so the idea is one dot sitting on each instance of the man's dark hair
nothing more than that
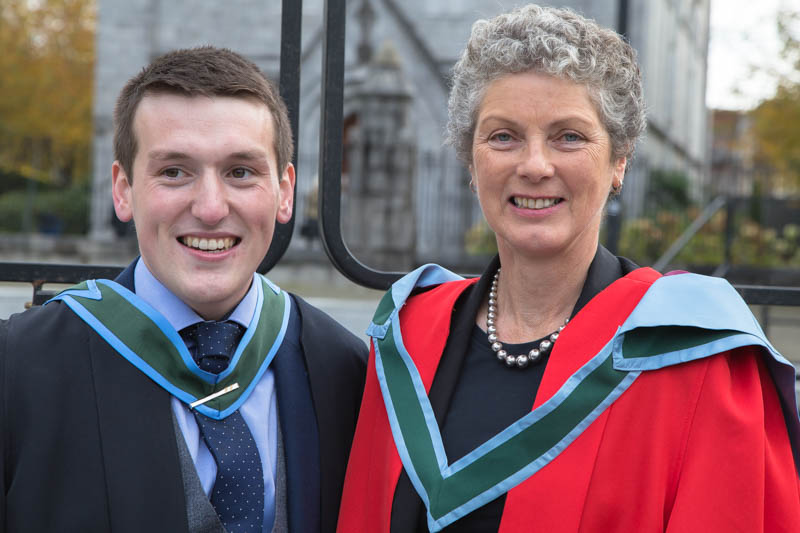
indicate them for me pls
(203, 71)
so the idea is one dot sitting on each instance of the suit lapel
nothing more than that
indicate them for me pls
(299, 430)
(337, 382)
(140, 453)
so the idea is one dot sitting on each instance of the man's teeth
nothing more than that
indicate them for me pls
(208, 244)
(537, 203)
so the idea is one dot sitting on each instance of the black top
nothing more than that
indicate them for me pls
(474, 396)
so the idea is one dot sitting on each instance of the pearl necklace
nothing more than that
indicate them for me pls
(521, 361)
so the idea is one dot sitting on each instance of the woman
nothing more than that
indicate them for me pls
(568, 390)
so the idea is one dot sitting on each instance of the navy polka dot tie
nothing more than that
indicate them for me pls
(238, 494)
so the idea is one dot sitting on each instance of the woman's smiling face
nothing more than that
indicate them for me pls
(541, 162)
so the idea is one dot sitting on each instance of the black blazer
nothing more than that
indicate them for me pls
(87, 442)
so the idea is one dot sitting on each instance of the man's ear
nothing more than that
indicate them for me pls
(121, 192)
(286, 195)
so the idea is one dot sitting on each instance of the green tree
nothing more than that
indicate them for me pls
(776, 121)
(47, 62)
(667, 189)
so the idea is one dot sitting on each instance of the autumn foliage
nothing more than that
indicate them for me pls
(47, 65)
(776, 121)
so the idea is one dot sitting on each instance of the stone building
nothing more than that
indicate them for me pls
(394, 138)
(378, 171)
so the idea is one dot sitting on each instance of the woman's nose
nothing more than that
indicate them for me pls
(535, 161)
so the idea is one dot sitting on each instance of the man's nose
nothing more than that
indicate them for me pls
(210, 202)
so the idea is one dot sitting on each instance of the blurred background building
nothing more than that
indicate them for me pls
(396, 173)
(732, 152)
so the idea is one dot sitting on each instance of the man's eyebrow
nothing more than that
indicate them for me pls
(249, 155)
(171, 155)
(164, 155)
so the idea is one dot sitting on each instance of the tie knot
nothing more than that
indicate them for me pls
(214, 344)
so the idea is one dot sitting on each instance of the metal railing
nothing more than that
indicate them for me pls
(675, 248)
(752, 294)
(330, 150)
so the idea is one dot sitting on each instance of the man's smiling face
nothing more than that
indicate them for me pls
(205, 195)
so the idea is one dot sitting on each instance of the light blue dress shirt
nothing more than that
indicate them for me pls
(259, 411)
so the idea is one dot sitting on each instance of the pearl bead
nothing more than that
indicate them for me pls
(520, 361)
(544, 345)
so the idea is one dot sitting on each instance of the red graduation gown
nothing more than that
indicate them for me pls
(698, 446)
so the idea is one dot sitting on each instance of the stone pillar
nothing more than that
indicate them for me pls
(124, 44)
(380, 163)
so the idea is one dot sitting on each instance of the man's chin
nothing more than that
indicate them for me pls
(213, 299)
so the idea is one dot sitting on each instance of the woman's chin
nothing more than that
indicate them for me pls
(544, 245)
(534, 248)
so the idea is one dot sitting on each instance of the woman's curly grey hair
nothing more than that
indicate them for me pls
(552, 41)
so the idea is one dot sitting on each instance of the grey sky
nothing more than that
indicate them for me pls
(743, 37)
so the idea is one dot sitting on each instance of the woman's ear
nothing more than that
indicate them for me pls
(619, 172)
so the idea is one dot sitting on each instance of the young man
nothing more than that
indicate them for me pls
(190, 394)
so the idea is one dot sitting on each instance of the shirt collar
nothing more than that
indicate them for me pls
(177, 313)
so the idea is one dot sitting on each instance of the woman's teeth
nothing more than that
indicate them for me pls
(208, 244)
(537, 203)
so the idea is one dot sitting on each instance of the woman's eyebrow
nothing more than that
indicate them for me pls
(493, 119)
(572, 120)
